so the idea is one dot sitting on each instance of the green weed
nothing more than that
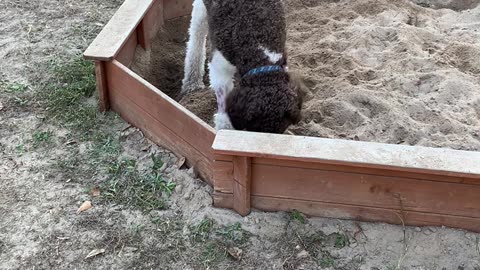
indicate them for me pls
(42, 138)
(296, 215)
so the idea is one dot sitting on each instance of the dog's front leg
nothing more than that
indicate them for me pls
(221, 80)
(196, 49)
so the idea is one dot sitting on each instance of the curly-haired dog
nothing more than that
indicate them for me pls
(248, 40)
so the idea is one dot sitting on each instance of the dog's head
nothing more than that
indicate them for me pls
(268, 104)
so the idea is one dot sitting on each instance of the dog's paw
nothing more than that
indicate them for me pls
(222, 121)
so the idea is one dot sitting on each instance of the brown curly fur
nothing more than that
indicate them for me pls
(267, 102)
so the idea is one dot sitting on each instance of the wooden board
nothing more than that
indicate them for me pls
(355, 212)
(101, 79)
(416, 159)
(242, 173)
(117, 31)
(127, 52)
(352, 180)
(174, 116)
(150, 24)
(160, 118)
(366, 190)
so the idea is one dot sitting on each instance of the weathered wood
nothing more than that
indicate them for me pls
(115, 34)
(355, 212)
(223, 200)
(171, 114)
(176, 8)
(102, 87)
(150, 24)
(127, 52)
(223, 176)
(241, 185)
(367, 190)
(365, 170)
(415, 159)
(151, 118)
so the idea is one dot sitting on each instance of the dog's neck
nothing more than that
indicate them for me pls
(265, 69)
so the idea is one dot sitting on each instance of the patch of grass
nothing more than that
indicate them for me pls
(126, 185)
(216, 240)
(326, 260)
(13, 88)
(213, 254)
(42, 138)
(20, 148)
(296, 215)
(65, 95)
(341, 240)
(201, 231)
(233, 234)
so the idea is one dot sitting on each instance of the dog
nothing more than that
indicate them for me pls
(247, 39)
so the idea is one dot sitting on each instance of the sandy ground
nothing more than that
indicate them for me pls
(44, 179)
(388, 71)
(381, 71)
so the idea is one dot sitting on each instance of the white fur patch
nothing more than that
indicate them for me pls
(221, 73)
(273, 57)
(196, 49)
(222, 121)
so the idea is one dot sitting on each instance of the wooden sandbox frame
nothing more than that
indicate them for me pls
(319, 177)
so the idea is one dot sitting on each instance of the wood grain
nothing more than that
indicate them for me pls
(366, 190)
(150, 24)
(115, 34)
(102, 87)
(150, 118)
(223, 176)
(342, 152)
(241, 185)
(127, 52)
(171, 114)
(355, 212)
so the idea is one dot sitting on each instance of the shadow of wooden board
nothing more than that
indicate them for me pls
(319, 177)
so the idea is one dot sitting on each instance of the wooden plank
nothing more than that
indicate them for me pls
(158, 132)
(241, 185)
(223, 176)
(223, 200)
(117, 31)
(343, 152)
(150, 24)
(366, 171)
(127, 52)
(176, 8)
(102, 87)
(355, 212)
(366, 190)
(164, 109)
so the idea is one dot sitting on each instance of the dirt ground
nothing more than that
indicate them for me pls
(57, 152)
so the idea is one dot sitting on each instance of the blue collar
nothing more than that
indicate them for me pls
(263, 69)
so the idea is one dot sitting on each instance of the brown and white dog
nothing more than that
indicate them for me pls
(248, 40)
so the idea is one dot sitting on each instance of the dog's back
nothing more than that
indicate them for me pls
(245, 30)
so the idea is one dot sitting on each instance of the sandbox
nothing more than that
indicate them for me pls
(336, 178)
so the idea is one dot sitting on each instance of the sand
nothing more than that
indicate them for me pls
(384, 71)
